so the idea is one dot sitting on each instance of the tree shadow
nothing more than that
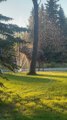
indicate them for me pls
(30, 79)
(10, 111)
(53, 76)
(47, 113)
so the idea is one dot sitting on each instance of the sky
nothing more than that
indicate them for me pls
(20, 10)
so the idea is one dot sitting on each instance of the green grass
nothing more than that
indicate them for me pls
(40, 97)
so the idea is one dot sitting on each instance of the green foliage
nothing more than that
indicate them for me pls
(62, 18)
(4, 18)
(52, 9)
(39, 97)
(52, 32)
(16, 28)
(8, 41)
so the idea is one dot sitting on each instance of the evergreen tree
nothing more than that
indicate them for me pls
(63, 27)
(42, 25)
(52, 9)
(7, 52)
(8, 41)
(31, 26)
(62, 18)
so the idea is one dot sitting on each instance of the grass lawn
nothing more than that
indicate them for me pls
(41, 97)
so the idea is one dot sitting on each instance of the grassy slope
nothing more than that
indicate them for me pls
(42, 97)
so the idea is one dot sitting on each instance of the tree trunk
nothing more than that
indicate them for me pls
(35, 43)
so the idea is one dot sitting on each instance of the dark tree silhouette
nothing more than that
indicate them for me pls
(52, 9)
(35, 42)
(2, 0)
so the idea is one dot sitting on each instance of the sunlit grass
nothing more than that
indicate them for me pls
(40, 97)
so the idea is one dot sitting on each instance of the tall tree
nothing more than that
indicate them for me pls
(42, 26)
(62, 18)
(63, 27)
(31, 26)
(52, 9)
(35, 42)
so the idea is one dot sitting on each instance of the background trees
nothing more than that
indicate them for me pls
(52, 32)
(52, 9)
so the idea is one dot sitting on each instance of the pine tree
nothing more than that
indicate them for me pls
(62, 19)
(42, 26)
(7, 55)
(52, 9)
(63, 27)
(31, 26)
(8, 41)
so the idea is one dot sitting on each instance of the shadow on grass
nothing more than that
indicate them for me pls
(48, 113)
(11, 112)
(29, 79)
(55, 76)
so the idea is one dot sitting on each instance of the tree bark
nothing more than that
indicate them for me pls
(35, 42)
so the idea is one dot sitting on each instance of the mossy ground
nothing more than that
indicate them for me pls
(40, 97)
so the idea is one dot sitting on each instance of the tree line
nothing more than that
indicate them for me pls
(52, 32)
